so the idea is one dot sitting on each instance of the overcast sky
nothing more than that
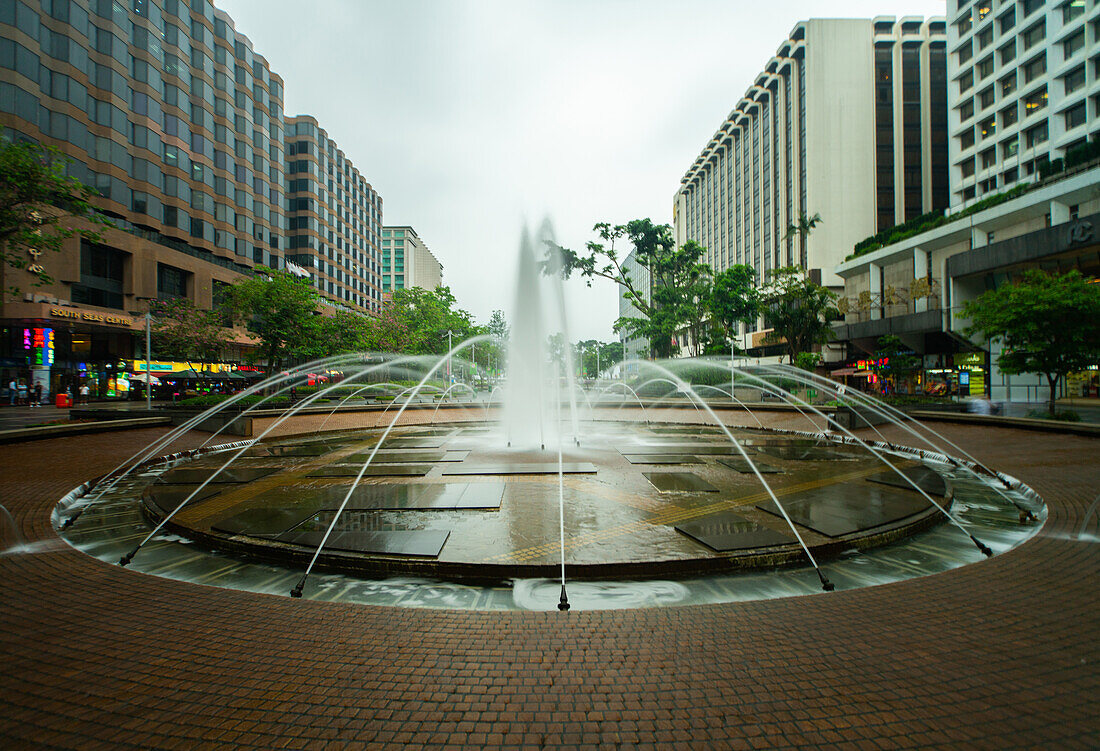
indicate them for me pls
(471, 117)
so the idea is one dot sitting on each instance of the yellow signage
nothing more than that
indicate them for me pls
(91, 316)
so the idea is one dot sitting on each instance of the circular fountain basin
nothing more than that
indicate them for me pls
(651, 512)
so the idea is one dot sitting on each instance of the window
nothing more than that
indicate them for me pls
(1007, 20)
(988, 127)
(985, 38)
(1010, 147)
(1035, 68)
(966, 139)
(1074, 80)
(967, 168)
(1072, 10)
(966, 111)
(1036, 101)
(1075, 116)
(983, 10)
(963, 24)
(1008, 84)
(102, 271)
(966, 81)
(966, 52)
(1037, 135)
(1035, 34)
(985, 98)
(1010, 176)
(989, 158)
(1030, 6)
(985, 67)
(1010, 115)
(171, 282)
(1008, 52)
(1073, 45)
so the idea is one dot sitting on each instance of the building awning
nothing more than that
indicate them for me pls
(851, 372)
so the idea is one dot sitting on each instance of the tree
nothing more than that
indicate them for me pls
(677, 277)
(1046, 323)
(427, 317)
(734, 299)
(893, 360)
(185, 332)
(38, 206)
(803, 226)
(278, 309)
(798, 310)
(591, 364)
(498, 326)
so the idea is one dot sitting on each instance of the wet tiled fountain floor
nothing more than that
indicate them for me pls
(453, 504)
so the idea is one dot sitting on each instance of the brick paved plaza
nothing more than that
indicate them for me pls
(999, 654)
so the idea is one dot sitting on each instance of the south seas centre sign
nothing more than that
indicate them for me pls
(91, 316)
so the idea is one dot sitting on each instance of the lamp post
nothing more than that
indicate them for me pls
(449, 377)
(148, 360)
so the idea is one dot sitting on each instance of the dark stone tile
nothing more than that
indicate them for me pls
(662, 459)
(199, 475)
(449, 496)
(166, 498)
(413, 443)
(844, 508)
(418, 543)
(397, 456)
(729, 531)
(679, 482)
(522, 468)
(927, 479)
(738, 463)
(263, 522)
(374, 470)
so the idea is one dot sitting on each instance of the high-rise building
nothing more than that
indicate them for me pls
(1023, 78)
(407, 262)
(846, 122)
(167, 111)
(634, 347)
(335, 218)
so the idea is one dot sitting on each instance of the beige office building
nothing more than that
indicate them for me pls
(846, 121)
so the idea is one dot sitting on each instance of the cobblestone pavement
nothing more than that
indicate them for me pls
(999, 654)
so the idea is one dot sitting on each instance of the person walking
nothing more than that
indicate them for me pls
(84, 393)
(22, 391)
(13, 392)
(37, 400)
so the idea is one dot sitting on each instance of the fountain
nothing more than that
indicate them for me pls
(668, 490)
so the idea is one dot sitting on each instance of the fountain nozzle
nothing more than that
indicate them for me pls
(563, 603)
(826, 585)
(297, 591)
(982, 547)
(69, 522)
(125, 560)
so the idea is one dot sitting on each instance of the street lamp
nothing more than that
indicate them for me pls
(148, 352)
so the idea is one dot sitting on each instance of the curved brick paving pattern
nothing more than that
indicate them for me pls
(999, 654)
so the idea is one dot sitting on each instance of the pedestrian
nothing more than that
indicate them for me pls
(37, 395)
(13, 392)
(22, 391)
(84, 393)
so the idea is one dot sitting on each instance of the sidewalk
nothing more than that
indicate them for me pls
(24, 416)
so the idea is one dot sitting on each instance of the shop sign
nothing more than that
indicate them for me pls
(39, 344)
(871, 364)
(970, 361)
(91, 316)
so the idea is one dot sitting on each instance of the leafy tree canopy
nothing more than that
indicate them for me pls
(1046, 323)
(182, 331)
(734, 299)
(38, 203)
(679, 281)
(279, 310)
(427, 316)
(798, 310)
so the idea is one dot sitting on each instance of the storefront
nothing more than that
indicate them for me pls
(63, 348)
